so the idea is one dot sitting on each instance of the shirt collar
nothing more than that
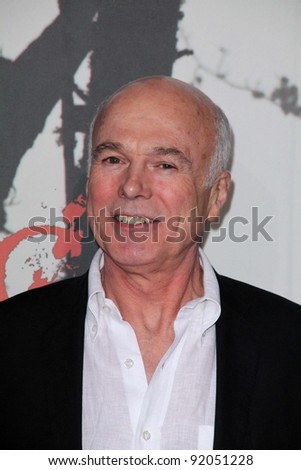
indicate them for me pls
(94, 279)
(211, 287)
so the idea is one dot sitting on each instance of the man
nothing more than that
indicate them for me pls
(153, 349)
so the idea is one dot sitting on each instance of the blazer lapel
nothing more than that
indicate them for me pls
(62, 352)
(237, 364)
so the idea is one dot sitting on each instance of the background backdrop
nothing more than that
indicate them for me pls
(59, 59)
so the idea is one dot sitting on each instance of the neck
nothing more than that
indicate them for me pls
(153, 297)
(150, 300)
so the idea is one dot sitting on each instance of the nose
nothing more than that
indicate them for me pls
(135, 184)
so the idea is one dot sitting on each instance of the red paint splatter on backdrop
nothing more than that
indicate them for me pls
(68, 241)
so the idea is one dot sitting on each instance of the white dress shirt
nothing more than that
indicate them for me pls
(176, 409)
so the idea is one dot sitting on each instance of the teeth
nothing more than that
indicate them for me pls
(132, 220)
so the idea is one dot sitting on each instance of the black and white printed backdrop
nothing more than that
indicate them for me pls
(60, 58)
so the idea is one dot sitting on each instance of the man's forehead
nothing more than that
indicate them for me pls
(162, 103)
(161, 97)
(162, 88)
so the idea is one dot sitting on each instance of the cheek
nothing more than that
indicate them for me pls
(179, 196)
(100, 192)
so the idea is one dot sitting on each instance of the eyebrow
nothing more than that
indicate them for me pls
(181, 156)
(159, 150)
(115, 146)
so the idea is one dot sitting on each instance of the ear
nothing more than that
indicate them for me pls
(87, 187)
(218, 195)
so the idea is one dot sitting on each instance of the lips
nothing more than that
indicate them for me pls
(132, 220)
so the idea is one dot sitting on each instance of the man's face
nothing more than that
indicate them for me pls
(146, 185)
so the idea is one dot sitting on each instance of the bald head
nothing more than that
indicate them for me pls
(173, 95)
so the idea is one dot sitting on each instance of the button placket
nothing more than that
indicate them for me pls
(129, 363)
(146, 435)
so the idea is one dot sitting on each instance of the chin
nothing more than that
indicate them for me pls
(132, 254)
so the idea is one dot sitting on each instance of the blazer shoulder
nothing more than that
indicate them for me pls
(256, 301)
(60, 294)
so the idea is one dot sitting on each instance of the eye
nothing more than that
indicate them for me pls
(112, 160)
(166, 166)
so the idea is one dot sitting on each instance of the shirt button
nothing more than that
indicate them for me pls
(129, 363)
(94, 328)
(106, 309)
(146, 435)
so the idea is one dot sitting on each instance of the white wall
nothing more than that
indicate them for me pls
(261, 42)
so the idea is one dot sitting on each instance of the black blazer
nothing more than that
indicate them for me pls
(258, 396)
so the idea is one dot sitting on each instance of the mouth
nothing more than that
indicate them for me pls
(132, 220)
